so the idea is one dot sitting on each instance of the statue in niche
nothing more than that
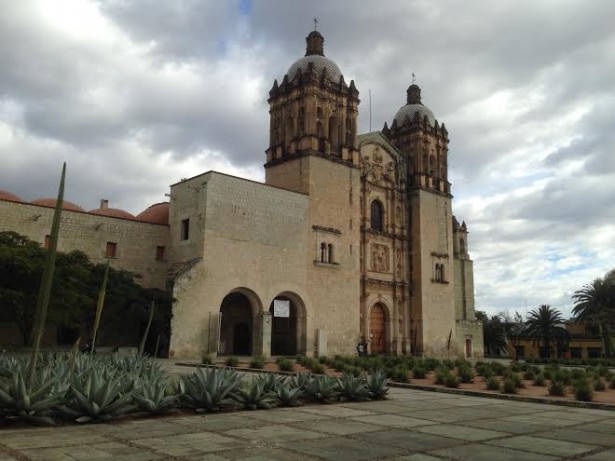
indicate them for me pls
(398, 216)
(380, 258)
(377, 155)
(398, 266)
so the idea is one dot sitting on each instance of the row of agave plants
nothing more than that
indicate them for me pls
(86, 388)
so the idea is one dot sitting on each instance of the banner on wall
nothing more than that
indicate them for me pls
(281, 308)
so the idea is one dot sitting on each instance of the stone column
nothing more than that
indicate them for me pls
(265, 334)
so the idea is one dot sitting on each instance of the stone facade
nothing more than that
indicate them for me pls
(350, 238)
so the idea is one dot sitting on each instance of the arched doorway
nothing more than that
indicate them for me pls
(236, 322)
(377, 329)
(468, 347)
(287, 331)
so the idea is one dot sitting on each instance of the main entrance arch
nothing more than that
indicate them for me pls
(377, 329)
(288, 332)
(237, 324)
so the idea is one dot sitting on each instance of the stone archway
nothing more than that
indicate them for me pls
(288, 334)
(236, 325)
(378, 319)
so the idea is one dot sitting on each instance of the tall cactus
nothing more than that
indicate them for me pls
(99, 306)
(44, 293)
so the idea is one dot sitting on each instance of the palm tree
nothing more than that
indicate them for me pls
(595, 303)
(494, 334)
(544, 326)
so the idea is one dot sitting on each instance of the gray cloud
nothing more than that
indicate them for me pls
(136, 94)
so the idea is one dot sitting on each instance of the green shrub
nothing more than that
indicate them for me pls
(547, 373)
(493, 384)
(431, 364)
(515, 378)
(582, 390)
(498, 368)
(441, 375)
(318, 368)
(529, 375)
(612, 383)
(539, 380)
(232, 361)
(207, 359)
(446, 363)
(154, 396)
(509, 387)
(324, 360)
(419, 372)
(286, 365)
(557, 388)
(578, 373)
(599, 384)
(465, 375)
(452, 381)
(258, 362)
(562, 376)
(399, 374)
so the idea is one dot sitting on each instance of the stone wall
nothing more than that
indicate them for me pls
(136, 241)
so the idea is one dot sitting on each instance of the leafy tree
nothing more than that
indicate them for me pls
(595, 304)
(494, 334)
(544, 327)
(75, 288)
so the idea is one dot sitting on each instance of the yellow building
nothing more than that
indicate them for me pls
(350, 238)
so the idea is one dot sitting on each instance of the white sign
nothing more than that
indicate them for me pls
(281, 308)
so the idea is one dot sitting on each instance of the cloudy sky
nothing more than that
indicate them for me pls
(137, 94)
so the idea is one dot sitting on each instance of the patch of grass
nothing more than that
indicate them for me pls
(232, 361)
(557, 388)
(286, 365)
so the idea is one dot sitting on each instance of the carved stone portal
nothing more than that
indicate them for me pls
(379, 258)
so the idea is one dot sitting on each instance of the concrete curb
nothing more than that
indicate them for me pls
(517, 398)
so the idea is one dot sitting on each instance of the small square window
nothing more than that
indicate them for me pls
(111, 251)
(159, 253)
(185, 230)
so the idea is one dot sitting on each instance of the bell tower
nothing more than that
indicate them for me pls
(313, 112)
(423, 144)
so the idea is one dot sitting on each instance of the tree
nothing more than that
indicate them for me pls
(544, 326)
(494, 334)
(595, 303)
(75, 288)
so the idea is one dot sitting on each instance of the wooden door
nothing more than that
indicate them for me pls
(377, 330)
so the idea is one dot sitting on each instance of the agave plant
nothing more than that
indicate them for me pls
(254, 396)
(34, 403)
(271, 381)
(300, 380)
(289, 396)
(352, 388)
(322, 388)
(98, 396)
(208, 390)
(377, 385)
(155, 396)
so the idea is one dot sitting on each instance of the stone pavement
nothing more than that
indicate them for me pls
(411, 425)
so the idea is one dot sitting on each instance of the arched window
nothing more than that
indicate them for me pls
(438, 273)
(330, 254)
(377, 216)
(323, 252)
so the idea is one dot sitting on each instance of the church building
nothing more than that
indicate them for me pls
(351, 237)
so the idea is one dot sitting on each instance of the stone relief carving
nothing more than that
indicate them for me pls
(379, 258)
(376, 170)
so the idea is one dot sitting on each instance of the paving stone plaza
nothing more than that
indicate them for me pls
(410, 425)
